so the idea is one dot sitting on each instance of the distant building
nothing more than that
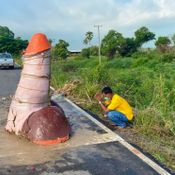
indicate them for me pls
(74, 52)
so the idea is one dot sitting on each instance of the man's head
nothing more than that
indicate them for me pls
(107, 92)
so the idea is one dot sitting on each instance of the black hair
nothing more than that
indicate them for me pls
(107, 90)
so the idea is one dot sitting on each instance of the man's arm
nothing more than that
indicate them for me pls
(103, 107)
(99, 97)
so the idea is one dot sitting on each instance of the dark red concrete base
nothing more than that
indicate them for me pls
(47, 126)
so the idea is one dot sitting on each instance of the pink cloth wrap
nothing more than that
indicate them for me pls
(32, 93)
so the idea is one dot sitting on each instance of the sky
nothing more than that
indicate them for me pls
(71, 19)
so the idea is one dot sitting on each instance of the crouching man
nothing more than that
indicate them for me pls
(115, 107)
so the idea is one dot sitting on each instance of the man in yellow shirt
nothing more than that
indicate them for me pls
(117, 108)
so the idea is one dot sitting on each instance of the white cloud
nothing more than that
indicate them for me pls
(140, 11)
(70, 19)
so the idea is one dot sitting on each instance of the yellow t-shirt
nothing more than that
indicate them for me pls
(120, 104)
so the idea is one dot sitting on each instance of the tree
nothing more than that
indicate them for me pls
(143, 35)
(88, 37)
(6, 33)
(173, 39)
(94, 50)
(86, 52)
(6, 39)
(9, 43)
(18, 45)
(50, 41)
(111, 43)
(163, 43)
(61, 49)
(128, 47)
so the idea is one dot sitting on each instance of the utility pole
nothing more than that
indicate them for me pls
(99, 43)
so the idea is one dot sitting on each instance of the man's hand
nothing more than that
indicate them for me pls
(98, 96)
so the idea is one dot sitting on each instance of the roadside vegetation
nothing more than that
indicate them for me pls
(10, 43)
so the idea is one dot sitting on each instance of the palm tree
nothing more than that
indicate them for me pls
(88, 37)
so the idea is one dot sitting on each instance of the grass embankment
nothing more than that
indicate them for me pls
(146, 80)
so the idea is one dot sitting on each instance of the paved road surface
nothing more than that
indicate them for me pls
(8, 81)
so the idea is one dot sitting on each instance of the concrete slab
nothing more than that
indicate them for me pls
(92, 149)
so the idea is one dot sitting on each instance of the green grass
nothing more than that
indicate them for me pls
(145, 80)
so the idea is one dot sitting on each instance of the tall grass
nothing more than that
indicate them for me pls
(146, 83)
(158, 116)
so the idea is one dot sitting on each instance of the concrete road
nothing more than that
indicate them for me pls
(93, 149)
(8, 81)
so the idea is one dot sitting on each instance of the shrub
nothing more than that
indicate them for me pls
(119, 63)
(168, 57)
(94, 50)
(85, 52)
